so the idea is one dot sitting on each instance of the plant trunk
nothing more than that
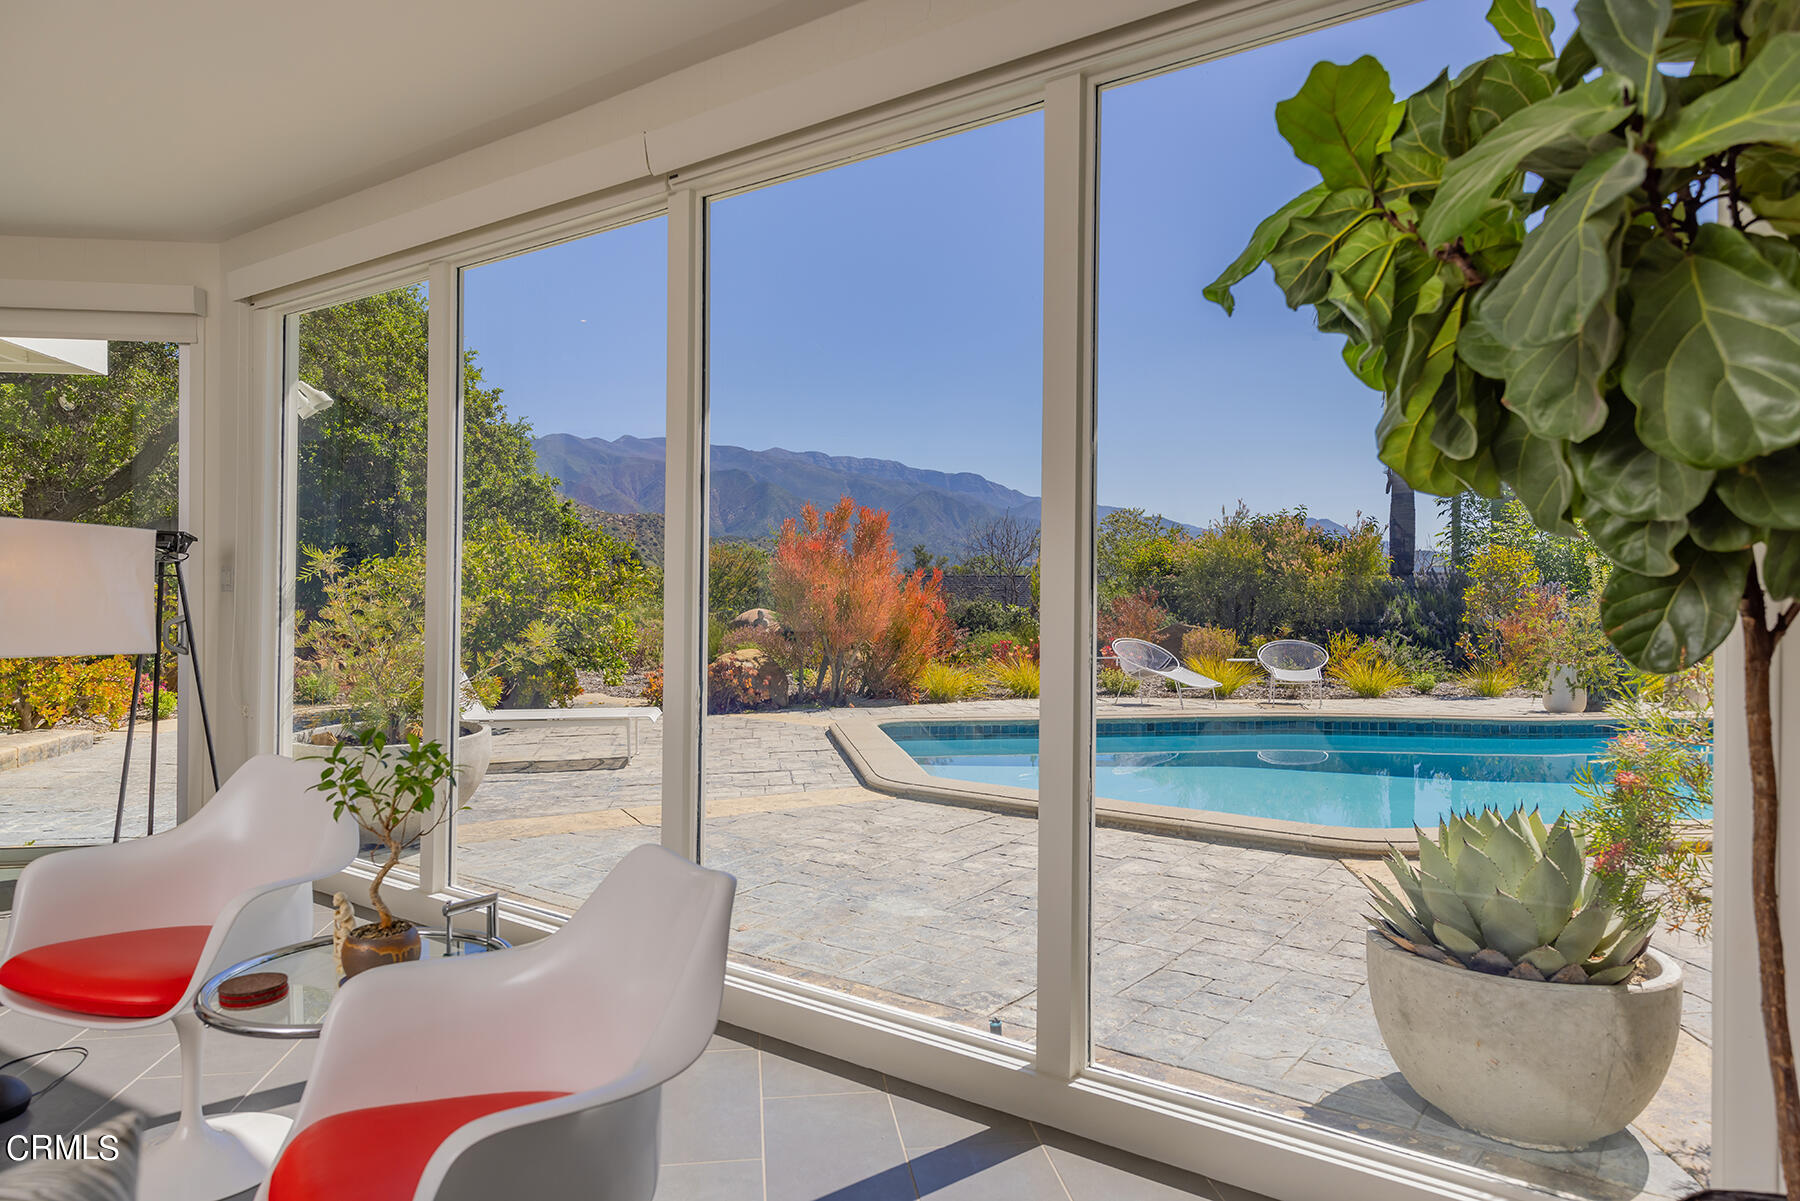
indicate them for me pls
(1765, 891)
(387, 919)
(1403, 525)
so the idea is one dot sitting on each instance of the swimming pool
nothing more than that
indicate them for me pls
(1359, 773)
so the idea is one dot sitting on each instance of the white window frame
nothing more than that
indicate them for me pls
(1054, 1081)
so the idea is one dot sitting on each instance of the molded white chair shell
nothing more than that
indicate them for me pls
(1292, 662)
(619, 1001)
(1141, 659)
(243, 865)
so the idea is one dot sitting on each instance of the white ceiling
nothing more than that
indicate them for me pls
(200, 119)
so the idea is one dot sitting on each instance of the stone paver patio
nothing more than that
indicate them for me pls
(72, 797)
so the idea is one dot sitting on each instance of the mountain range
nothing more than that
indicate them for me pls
(754, 491)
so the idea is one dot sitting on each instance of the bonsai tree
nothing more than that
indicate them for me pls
(388, 795)
(1576, 275)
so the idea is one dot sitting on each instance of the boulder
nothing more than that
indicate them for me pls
(758, 619)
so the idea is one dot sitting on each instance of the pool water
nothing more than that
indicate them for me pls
(1323, 771)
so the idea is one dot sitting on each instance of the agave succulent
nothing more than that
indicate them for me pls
(1508, 895)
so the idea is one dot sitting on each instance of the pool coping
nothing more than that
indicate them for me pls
(882, 766)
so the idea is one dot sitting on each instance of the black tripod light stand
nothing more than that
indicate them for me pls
(171, 552)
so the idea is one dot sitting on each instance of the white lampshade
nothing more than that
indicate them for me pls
(68, 588)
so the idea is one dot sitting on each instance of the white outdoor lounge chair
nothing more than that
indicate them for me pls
(587, 715)
(1139, 658)
(1292, 663)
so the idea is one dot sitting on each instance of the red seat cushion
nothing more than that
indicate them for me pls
(378, 1154)
(133, 974)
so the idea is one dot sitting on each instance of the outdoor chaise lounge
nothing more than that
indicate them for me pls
(1292, 663)
(627, 716)
(1139, 658)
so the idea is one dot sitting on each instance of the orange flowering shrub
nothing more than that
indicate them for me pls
(852, 614)
(36, 694)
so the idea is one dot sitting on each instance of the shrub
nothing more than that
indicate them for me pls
(1117, 682)
(312, 685)
(732, 686)
(653, 688)
(1018, 676)
(1489, 679)
(1422, 681)
(942, 682)
(1268, 570)
(848, 607)
(737, 577)
(1209, 642)
(1231, 676)
(1368, 675)
(1136, 615)
(981, 615)
(36, 694)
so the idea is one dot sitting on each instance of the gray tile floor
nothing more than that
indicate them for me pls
(752, 1120)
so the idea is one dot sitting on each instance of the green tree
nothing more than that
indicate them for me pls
(91, 447)
(737, 577)
(362, 461)
(1577, 275)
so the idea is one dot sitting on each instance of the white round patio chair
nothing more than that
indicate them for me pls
(1293, 663)
(121, 936)
(1148, 661)
(534, 1072)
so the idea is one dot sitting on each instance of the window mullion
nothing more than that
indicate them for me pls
(1066, 714)
(443, 535)
(684, 581)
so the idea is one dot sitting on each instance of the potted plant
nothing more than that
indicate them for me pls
(1558, 267)
(394, 798)
(1501, 933)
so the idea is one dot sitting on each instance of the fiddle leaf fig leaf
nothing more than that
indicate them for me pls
(1339, 120)
(1268, 232)
(1570, 262)
(1624, 35)
(1575, 61)
(1712, 355)
(1628, 478)
(1538, 471)
(1665, 624)
(1525, 27)
(1713, 526)
(1646, 547)
(1363, 276)
(1765, 491)
(1761, 105)
(1781, 564)
(1558, 388)
(1471, 179)
(1301, 259)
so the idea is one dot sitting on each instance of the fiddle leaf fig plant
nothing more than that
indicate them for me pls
(1574, 273)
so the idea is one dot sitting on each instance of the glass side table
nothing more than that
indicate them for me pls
(313, 983)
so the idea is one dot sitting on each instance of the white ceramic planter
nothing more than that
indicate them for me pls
(1563, 693)
(1549, 1066)
(474, 750)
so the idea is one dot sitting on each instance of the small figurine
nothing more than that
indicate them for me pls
(343, 918)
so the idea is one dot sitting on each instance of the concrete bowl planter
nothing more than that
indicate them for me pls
(1548, 1066)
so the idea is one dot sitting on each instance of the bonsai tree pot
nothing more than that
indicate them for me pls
(369, 946)
(1548, 1066)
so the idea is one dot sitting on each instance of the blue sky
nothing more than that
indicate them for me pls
(892, 308)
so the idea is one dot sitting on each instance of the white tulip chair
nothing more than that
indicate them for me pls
(534, 1072)
(121, 936)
